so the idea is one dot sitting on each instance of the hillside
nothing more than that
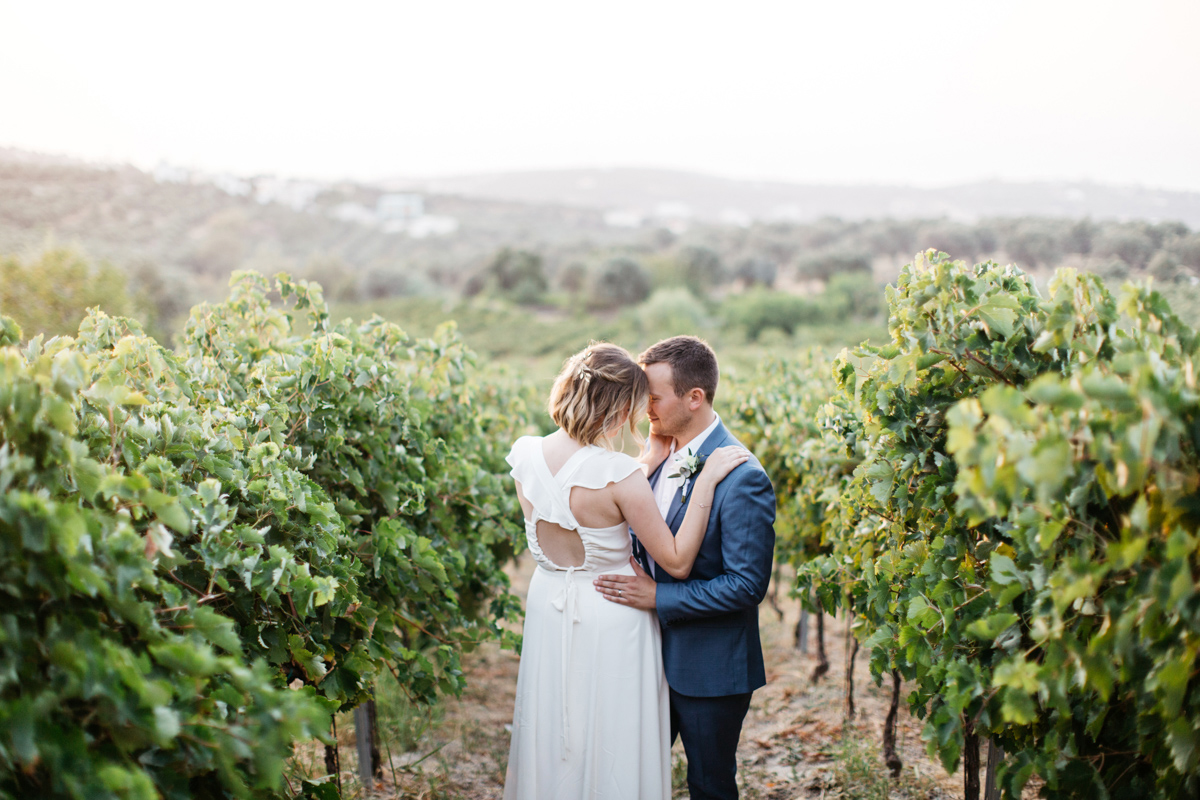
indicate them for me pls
(204, 226)
(651, 193)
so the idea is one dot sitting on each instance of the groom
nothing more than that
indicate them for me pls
(711, 651)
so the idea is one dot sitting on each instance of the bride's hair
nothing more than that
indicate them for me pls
(594, 390)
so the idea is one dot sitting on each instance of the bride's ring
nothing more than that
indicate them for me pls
(620, 592)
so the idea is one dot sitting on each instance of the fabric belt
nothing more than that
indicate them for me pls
(567, 601)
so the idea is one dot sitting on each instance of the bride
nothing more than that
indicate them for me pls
(591, 717)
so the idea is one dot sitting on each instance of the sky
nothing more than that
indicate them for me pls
(918, 93)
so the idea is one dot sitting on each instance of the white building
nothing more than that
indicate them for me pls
(297, 194)
(401, 207)
(431, 225)
(353, 212)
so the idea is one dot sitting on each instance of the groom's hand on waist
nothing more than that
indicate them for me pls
(638, 590)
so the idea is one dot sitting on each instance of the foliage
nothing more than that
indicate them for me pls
(1018, 537)
(964, 241)
(795, 437)
(701, 269)
(826, 263)
(1164, 266)
(1186, 248)
(262, 509)
(907, 563)
(116, 681)
(1093, 610)
(757, 310)
(619, 281)
(1035, 243)
(756, 271)
(1133, 246)
(853, 295)
(516, 274)
(51, 293)
(673, 311)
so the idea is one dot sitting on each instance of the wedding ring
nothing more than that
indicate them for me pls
(620, 592)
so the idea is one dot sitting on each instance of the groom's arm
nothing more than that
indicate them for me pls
(747, 518)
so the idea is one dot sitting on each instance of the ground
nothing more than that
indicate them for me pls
(794, 742)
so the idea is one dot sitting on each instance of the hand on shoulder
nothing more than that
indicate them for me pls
(723, 461)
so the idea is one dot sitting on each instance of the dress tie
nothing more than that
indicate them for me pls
(567, 602)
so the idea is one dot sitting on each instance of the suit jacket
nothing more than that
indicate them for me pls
(709, 621)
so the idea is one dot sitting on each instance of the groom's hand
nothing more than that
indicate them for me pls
(638, 590)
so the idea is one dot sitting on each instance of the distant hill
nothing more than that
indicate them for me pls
(633, 194)
(209, 224)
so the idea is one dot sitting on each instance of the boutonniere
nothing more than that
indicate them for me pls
(687, 468)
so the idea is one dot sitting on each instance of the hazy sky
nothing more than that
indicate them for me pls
(915, 92)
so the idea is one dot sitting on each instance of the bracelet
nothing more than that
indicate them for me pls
(704, 506)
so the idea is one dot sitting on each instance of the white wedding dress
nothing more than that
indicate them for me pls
(592, 717)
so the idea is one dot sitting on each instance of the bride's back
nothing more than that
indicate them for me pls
(592, 507)
(570, 474)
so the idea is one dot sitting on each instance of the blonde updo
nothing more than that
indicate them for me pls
(595, 389)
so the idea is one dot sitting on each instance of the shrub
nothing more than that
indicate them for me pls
(191, 533)
(953, 238)
(852, 294)
(619, 282)
(756, 271)
(757, 310)
(824, 264)
(701, 269)
(672, 312)
(518, 275)
(51, 293)
(1127, 243)
(1164, 266)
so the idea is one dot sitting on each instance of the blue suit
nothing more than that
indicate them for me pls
(711, 650)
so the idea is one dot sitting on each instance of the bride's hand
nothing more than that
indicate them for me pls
(722, 462)
(656, 450)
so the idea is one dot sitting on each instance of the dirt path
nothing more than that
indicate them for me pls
(792, 744)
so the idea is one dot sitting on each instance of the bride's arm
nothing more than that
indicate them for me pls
(677, 553)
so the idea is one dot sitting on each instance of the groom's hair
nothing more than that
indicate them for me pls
(693, 364)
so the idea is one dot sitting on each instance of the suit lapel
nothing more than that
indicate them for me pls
(714, 440)
(654, 476)
(639, 550)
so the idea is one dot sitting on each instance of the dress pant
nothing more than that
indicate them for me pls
(710, 728)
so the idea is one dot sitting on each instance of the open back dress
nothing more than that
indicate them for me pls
(592, 715)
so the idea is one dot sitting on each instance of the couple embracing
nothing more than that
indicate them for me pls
(642, 615)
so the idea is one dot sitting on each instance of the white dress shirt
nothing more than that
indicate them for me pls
(665, 489)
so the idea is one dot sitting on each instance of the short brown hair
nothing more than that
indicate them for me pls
(594, 389)
(693, 364)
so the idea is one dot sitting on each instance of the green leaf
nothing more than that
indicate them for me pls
(992, 625)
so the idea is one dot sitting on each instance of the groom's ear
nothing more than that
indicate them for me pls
(695, 399)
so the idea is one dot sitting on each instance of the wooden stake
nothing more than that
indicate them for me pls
(995, 755)
(364, 741)
(802, 630)
(822, 659)
(970, 761)
(890, 757)
(333, 765)
(851, 655)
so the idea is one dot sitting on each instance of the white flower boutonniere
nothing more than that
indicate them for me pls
(687, 468)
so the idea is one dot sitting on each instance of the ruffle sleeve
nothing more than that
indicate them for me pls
(518, 458)
(523, 460)
(605, 468)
